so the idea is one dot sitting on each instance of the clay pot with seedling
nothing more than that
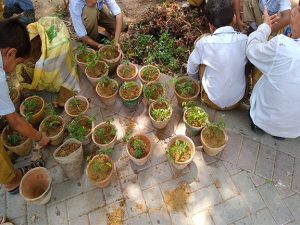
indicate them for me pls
(127, 71)
(130, 93)
(16, 142)
(82, 55)
(149, 73)
(33, 109)
(180, 151)
(139, 149)
(152, 91)
(76, 105)
(160, 113)
(112, 55)
(53, 126)
(107, 90)
(194, 117)
(105, 135)
(214, 137)
(81, 128)
(96, 69)
(186, 89)
(99, 170)
(70, 157)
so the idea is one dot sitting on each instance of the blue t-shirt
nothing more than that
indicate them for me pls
(274, 6)
(6, 104)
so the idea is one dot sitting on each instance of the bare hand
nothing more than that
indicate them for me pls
(241, 25)
(45, 140)
(270, 20)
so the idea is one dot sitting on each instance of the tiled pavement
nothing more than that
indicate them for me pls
(258, 179)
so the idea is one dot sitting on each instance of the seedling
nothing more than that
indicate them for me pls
(127, 136)
(149, 73)
(30, 107)
(50, 110)
(14, 139)
(106, 151)
(161, 114)
(82, 49)
(138, 147)
(215, 128)
(77, 130)
(128, 85)
(177, 150)
(194, 116)
(151, 90)
(101, 167)
(185, 88)
(105, 81)
(52, 121)
(102, 132)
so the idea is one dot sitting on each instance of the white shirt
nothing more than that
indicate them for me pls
(224, 54)
(275, 100)
(6, 105)
(274, 6)
(76, 8)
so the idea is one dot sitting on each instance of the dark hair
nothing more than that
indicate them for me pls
(219, 13)
(13, 34)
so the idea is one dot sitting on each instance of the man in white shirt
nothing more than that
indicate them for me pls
(224, 55)
(252, 13)
(86, 15)
(275, 100)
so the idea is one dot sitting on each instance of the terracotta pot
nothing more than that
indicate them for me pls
(82, 65)
(141, 71)
(131, 103)
(182, 99)
(35, 186)
(108, 100)
(112, 63)
(210, 150)
(182, 165)
(35, 119)
(108, 145)
(149, 101)
(73, 163)
(68, 103)
(159, 124)
(193, 131)
(22, 149)
(94, 80)
(143, 160)
(58, 138)
(107, 180)
(119, 74)
(87, 138)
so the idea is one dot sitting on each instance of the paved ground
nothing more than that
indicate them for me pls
(255, 180)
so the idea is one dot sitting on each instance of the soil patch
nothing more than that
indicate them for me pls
(149, 74)
(98, 71)
(116, 217)
(104, 134)
(214, 137)
(177, 199)
(99, 169)
(186, 88)
(109, 52)
(127, 71)
(131, 92)
(107, 90)
(67, 149)
(77, 106)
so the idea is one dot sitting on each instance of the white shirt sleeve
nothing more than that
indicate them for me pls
(195, 60)
(76, 9)
(260, 51)
(6, 105)
(284, 5)
(113, 7)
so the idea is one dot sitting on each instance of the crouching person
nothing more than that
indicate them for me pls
(223, 53)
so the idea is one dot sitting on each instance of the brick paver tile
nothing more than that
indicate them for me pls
(85, 203)
(248, 191)
(202, 218)
(248, 155)
(263, 217)
(16, 206)
(293, 203)
(74, 188)
(278, 209)
(133, 196)
(181, 218)
(113, 192)
(57, 214)
(229, 211)
(233, 148)
(232, 169)
(257, 181)
(158, 154)
(20, 220)
(124, 167)
(82, 220)
(265, 162)
(245, 221)
(36, 214)
(138, 220)
(296, 177)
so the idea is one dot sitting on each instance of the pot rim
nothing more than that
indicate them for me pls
(127, 78)
(188, 78)
(21, 109)
(140, 92)
(140, 73)
(202, 139)
(81, 97)
(151, 107)
(99, 125)
(150, 148)
(116, 92)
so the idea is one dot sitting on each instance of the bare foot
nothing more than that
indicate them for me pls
(14, 183)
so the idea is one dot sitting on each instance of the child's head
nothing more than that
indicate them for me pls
(219, 12)
(14, 43)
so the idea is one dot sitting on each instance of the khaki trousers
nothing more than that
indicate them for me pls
(7, 171)
(1, 9)
(195, 2)
(251, 12)
(92, 18)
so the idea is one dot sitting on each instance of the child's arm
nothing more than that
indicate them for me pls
(237, 7)
(283, 21)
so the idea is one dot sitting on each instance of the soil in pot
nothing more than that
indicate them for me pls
(77, 106)
(80, 127)
(127, 70)
(99, 169)
(139, 146)
(32, 106)
(130, 90)
(83, 53)
(214, 137)
(97, 70)
(196, 117)
(67, 149)
(149, 73)
(107, 87)
(52, 126)
(179, 151)
(109, 52)
(186, 88)
(160, 111)
(105, 134)
(153, 90)
(13, 138)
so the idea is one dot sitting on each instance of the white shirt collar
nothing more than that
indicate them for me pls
(226, 29)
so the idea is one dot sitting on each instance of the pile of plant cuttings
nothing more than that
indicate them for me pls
(165, 37)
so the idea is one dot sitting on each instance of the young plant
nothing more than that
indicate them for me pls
(105, 81)
(128, 85)
(52, 121)
(177, 151)
(215, 128)
(92, 61)
(106, 151)
(185, 88)
(30, 108)
(163, 113)
(106, 133)
(138, 147)
(151, 91)
(149, 73)
(101, 166)
(82, 49)
(77, 130)
(50, 110)
(14, 139)
(194, 115)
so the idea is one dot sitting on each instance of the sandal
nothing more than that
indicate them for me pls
(24, 170)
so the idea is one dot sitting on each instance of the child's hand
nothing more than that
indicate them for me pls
(270, 20)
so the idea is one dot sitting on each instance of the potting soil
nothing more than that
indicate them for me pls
(214, 137)
(67, 149)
